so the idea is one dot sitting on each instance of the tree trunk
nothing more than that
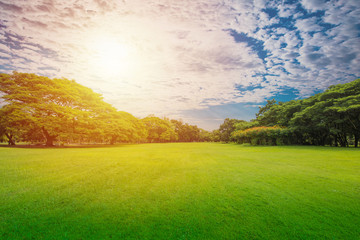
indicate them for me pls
(49, 138)
(336, 141)
(11, 141)
(342, 139)
(346, 141)
(356, 140)
(113, 140)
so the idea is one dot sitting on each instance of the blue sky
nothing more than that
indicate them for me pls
(200, 61)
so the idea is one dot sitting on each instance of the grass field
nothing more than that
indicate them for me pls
(180, 191)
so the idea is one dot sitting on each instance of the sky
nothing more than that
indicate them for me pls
(200, 61)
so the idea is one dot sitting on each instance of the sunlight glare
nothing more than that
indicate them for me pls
(112, 58)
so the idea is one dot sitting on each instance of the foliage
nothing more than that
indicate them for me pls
(159, 130)
(243, 125)
(14, 122)
(328, 118)
(57, 108)
(215, 135)
(124, 127)
(37, 108)
(226, 128)
(171, 130)
(187, 132)
(262, 135)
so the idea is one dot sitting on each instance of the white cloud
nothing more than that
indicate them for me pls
(308, 25)
(286, 11)
(314, 5)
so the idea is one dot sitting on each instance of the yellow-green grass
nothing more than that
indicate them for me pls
(180, 191)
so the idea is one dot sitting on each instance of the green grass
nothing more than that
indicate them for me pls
(180, 191)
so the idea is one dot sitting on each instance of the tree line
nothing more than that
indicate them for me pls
(328, 118)
(37, 109)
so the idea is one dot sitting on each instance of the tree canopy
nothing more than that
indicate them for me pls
(36, 108)
(328, 118)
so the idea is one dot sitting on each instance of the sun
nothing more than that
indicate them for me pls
(111, 57)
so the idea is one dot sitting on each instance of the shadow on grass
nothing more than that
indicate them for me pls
(295, 146)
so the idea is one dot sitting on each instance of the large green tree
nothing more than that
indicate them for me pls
(14, 123)
(159, 130)
(56, 107)
(121, 126)
(331, 117)
(226, 128)
(187, 132)
(38, 108)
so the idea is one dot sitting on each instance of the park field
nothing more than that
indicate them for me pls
(180, 191)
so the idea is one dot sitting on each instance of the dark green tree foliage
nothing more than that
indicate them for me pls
(226, 128)
(206, 136)
(243, 125)
(262, 135)
(188, 133)
(347, 107)
(328, 118)
(166, 130)
(268, 114)
(216, 135)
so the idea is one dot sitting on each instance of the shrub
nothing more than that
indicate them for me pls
(275, 135)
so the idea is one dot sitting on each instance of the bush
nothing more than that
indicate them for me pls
(262, 135)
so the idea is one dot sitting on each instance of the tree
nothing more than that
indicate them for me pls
(187, 132)
(123, 127)
(267, 115)
(53, 107)
(331, 117)
(261, 135)
(243, 125)
(36, 107)
(215, 135)
(159, 130)
(205, 136)
(13, 122)
(343, 110)
(226, 128)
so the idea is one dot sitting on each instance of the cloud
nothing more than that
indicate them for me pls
(34, 24)
(286, 11)
(314, 5)
(5, 55)
(11, 8)
(308, 25)
(185, 54)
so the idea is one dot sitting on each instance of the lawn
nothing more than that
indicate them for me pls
(180, 191)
